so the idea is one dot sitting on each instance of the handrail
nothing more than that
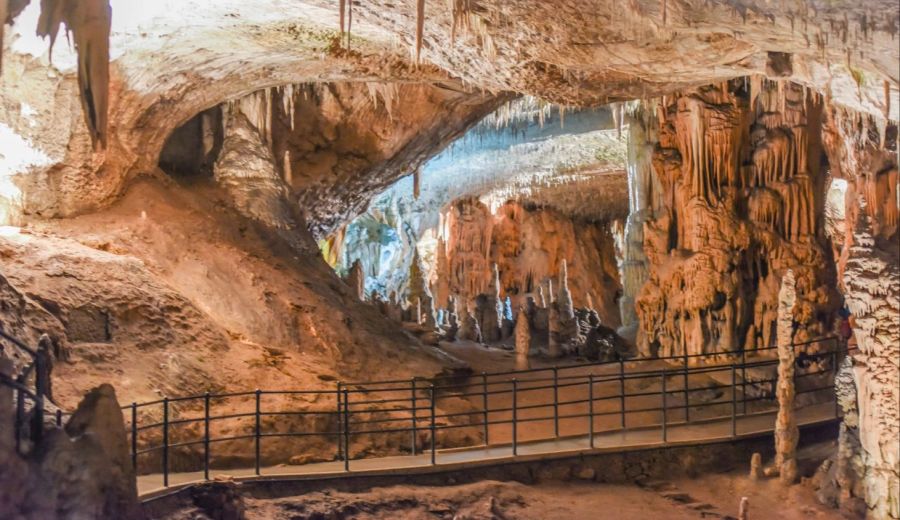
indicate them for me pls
(22, 392)
(410, 406)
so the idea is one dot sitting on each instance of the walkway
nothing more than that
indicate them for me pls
(698, 432)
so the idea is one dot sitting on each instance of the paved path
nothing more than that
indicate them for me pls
(708, 431)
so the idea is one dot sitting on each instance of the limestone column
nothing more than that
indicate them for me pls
(523, 338)
(786, 431)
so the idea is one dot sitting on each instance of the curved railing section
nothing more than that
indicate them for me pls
(504, 410)
(27, 383)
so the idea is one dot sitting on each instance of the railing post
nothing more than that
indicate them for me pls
(206, 436)
(622, 391)
(134, 434)
(20, 418)
(687, 391)
(515, 418)
(484, 405)
(165, 453)
(256, 435)
(743, 381)
(413, 413)
(41, 387)
(58, 418)
(346, 431)
(665, 436)
(733, 401)
(433, 430)
(591, 409)
(556, 402)
(340, 423)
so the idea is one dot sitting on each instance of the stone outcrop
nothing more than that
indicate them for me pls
(83, 471)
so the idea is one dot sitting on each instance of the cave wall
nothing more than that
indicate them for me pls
(740, 167)
(863, 153)
(528, 245)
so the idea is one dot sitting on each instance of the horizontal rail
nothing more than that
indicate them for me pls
(408, 408)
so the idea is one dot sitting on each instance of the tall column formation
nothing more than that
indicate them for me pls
(356, 279)
(872, 282)
(643, 186)
(869, 268)
(743, 193)
(786, 431)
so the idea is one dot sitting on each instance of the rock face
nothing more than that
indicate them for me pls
(529, 248)
(82, 472)
(787, 434)
(713, 267)
(872, 281)
(867, 260)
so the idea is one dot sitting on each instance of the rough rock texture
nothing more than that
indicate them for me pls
(787, 434)
(82, 472)
(357, 280)
(742, 200)
(528, 246)
(164, 68)
(872, 281)
(868, 258)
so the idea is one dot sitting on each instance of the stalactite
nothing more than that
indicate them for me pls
(89, 21)
(420, 27)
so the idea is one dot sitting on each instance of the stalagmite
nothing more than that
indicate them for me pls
(744, 511)
(541, 300)
(416, 186)
(756, 466)
(452, 319)
(554, 349)
(418, 291)
(786, 431)
(469, 329)
(356, 279)
(523, 334)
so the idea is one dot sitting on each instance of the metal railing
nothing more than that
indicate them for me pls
(496, 408)
(25, 428)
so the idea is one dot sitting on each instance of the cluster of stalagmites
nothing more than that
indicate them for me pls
(546, 323)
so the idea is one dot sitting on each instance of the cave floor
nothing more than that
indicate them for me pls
(707, 496)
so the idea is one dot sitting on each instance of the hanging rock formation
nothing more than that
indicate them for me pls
(787, 434)
(713, 268)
